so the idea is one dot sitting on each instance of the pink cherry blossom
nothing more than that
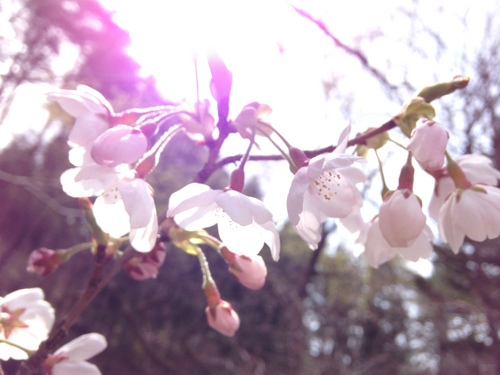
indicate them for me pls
(146, 266)
(25, 320)
(477, 169)
(202, 128)
(323, 188)
(428, 144)
(250, 120)
(244, 223)
(72, 357)
(378, 250)
(223, 318)
(472, 212)
(43, 261)
(401, 218)
(121, 144)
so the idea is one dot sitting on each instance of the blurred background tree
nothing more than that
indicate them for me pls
(319, 313)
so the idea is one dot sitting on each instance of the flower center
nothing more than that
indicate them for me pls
(327, 185)
(10, 320)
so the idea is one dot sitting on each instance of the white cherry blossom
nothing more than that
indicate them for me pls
(72, 357)
(472, 212)
(477, 169)
(378, 250)
(25, 320)
(323, 188)
(244, 223)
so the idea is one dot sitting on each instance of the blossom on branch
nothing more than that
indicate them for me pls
(428, 144)
(401, 218)
(251, 271)
(472, 212)
(124, 203)
(477, 169)
(72, 357)
(25, 320)
(378, 250)
(323, 188)
(244, 223)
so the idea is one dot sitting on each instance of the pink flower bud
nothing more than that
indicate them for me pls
(121, 144)
(145, 266)
(401, 218)
(223, 318)
(43, 261)
(251, 271)
(428, 144)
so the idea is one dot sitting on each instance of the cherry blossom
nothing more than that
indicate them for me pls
(401, 218)
(124, 203)
(428, 144)
(223, 318)
(323, 188)
(146, 266)
(472, 212)
(72, 357)
(378, 250)
(477, 169)
(244, 223)
(25, 320)
(250, 120)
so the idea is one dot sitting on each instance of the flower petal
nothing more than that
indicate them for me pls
(83, 347)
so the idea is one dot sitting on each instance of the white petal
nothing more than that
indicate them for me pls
(295, 199)
(309, 225)
(111, 217)
(448, 229)
(198, 218)
(191, 196)
(83, 347)
(242, 209)
(138, 201)
(75, 367)
(272, 239)
(144, 239)
(244, 240)
(377, 250)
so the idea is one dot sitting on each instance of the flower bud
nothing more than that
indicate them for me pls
(121, 144)
(145, 266)
(428, 144)
(223, 318)
(401, 218)
(251, 271)
(43, 261)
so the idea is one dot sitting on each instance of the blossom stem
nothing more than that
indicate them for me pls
(385, 189)
(209, 240)
(397, 143)
(205, 269)
(456, 173)
(269, 126)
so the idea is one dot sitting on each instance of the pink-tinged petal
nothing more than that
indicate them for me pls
(83, 347)
(242, 209)
(343, 139)
(445, 186)
(428, 144)
(83, 188)
(111, 216)
(478, 169)
(86, 129)
(198, 217)
(120, 144)
(144, 239)
(309, 225)
(448, 230)
(191, 196)
(295, 199)
(138, 201)
(401, 218)
(272, 239)
(315, 167)
(246, 240)
(334, 194)
(421, 248)
(335, 161)
(75, 367)
(377, 250)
